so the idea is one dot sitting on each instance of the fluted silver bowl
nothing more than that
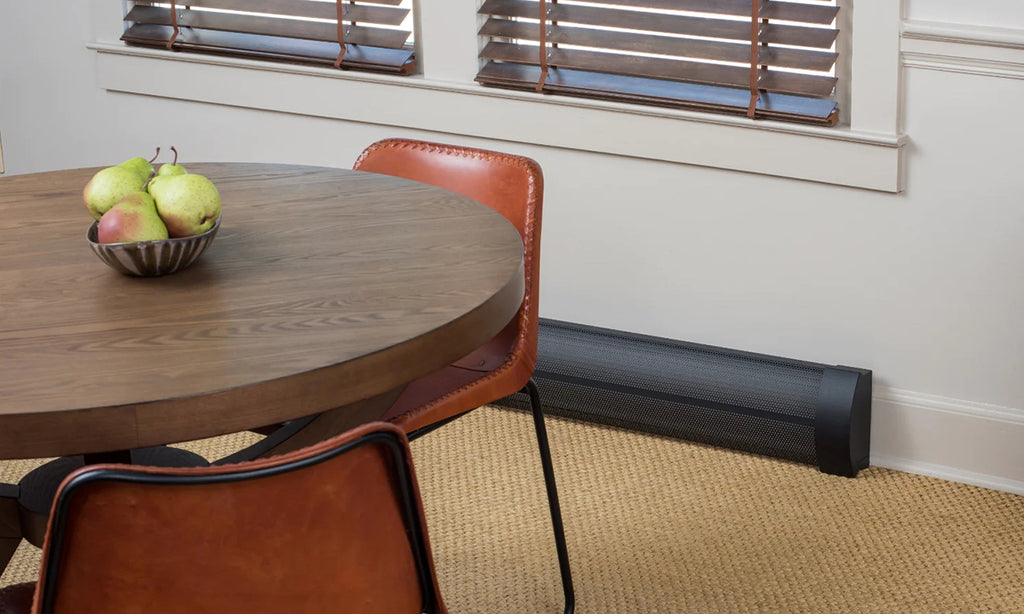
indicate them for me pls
(152, 258)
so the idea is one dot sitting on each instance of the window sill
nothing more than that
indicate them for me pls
(829, 155)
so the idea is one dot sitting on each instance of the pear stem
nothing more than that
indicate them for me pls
(157, 155)
(175, 154)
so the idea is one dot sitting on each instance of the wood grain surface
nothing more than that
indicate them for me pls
(324, 287)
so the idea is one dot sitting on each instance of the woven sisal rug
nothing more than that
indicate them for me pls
(662, 526)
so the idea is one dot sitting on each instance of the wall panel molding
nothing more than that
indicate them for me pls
(962, 48)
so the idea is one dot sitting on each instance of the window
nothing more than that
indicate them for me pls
(763, 58)
(362, 35)
(865, 149)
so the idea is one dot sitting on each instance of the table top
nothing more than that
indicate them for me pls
(323, 287)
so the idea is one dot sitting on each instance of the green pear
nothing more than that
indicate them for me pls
(171, 168)
(142, 166)
(109, 186)
(167, 169)
(188, 204)
(132, 219)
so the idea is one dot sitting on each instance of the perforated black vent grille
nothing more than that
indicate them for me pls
(745, 401)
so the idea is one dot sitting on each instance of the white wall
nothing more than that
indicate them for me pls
(924, 287)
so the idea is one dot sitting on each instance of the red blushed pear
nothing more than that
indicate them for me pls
(133, 219)
(188, 204)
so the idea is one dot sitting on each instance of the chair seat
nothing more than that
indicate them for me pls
(481, 377)
(492, 354)
(17, 599)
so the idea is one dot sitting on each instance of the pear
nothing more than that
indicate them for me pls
(132, 219)
(109, 186)
(142, 166)
(171, 168)
(188, 204)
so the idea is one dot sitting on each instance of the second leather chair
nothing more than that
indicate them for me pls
(513, 186)
(333, 528)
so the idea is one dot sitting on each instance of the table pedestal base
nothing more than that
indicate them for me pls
(38, 488)
(10, 528)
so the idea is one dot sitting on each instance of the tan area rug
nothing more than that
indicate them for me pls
(657, 525)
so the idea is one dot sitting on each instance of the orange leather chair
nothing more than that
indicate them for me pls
(513, 186)
(336, 527)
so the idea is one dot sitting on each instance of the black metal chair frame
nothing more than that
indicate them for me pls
(392, 441)
(537, 409)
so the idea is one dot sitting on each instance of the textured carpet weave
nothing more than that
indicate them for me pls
(661, 526)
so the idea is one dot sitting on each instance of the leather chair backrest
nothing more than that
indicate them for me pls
(336, 527)
(511, 185)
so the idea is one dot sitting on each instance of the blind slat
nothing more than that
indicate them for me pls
(820, 38)
(803, 13)
(270, 26)
(378, 59)
(291, 8)
(674, 94)
(805, 59)
(379, 15)
(659, 68)
(773, 9)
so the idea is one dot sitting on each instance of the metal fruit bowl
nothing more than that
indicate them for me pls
(152, 258)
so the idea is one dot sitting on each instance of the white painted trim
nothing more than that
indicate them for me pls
(476, 90)
(956, 440)
(875, 64)
(839, 156)
(870, 138)
(951, 474)
(959, 48)
(963, 33)
(959, 407)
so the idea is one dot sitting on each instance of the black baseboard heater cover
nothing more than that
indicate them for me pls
(806, 412)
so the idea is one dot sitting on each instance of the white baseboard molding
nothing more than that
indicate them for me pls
(960, 441)
(949, 473)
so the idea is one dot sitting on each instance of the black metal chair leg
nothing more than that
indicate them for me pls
(552, 490)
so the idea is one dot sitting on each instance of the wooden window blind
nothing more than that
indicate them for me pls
(345, 34)
(762, 58)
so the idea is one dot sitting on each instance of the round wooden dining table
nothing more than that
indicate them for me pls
(324, 293)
